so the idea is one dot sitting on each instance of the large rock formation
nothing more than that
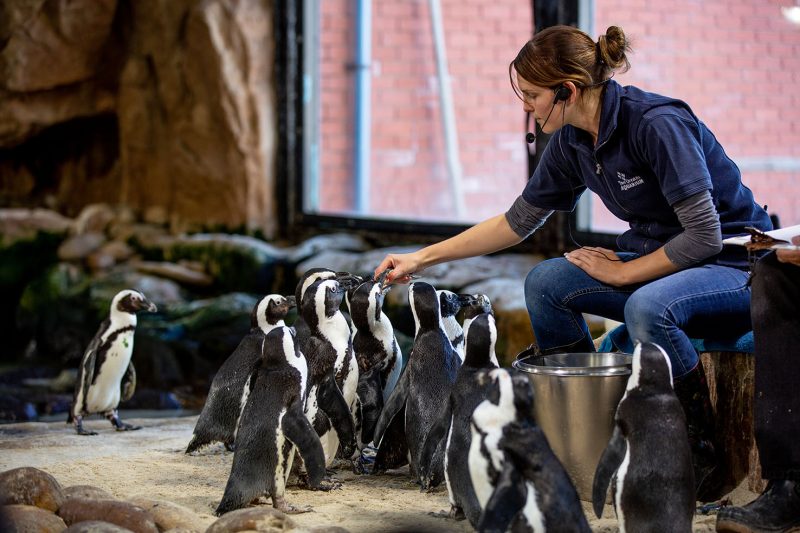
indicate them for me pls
(144, 103)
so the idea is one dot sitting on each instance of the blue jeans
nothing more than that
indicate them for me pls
(708, 301)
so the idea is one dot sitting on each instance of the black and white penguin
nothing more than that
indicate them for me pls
(479, 305)
(106, 374)
(272, 426)
(377, 354)
(308, 278)
(421, 392)
(453, 422)
(450, 304)
(228, 392)
(519, 482)
(333, 370)
(648, 461)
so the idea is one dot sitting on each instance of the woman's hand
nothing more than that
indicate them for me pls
(402, 265)
(790, 256)
(600, 263)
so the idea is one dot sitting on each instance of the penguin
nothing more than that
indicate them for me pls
(519, 482)
(272, 426)
(308, 278)
(106, 374)
(333, 371)
(453, 422)
(229, 388)
(422, 391)
(648, 461)
(480, 304)
(451, 304)
(377, 353)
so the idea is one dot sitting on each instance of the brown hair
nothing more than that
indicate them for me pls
(563, 53)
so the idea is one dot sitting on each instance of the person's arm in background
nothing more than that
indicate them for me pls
(790, 256)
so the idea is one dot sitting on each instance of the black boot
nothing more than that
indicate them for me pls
(692, 391)
(776, 510)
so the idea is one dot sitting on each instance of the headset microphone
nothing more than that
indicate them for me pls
(562, 94)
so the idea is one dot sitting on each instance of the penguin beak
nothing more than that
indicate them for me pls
(467, 299)
(151, 307)
(291, 302)
(382, 279)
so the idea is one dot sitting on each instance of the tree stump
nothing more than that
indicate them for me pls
(731, 381)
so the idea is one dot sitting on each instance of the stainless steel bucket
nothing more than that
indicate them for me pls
(575, 399)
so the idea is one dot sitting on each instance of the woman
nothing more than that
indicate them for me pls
(655, 165)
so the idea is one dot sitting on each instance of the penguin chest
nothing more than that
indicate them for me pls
(104, 392)
(478, 464)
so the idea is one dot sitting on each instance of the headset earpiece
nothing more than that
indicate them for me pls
(562, 94)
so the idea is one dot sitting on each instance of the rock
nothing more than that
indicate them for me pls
(98, 261)
(175, 272)
(335, 260)
(168, 515)
(236, 262)
(320, 243)
(120, 513)
(30, 486)
(95, 526)
(118, 250)
(149, 399)
(86, 491)
(94, 218)
(163, 292)
(25, 224)
(28, 518)
(156, 214)
(78, 247)
(263, 519)
(327, 529)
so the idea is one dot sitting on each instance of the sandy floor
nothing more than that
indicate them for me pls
(151, 463)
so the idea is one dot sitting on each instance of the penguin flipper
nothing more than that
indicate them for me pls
(86, 371)
(332, 403)
(298, 430)
(396, 402)
(606, 467)
(393, 447)
(128, 384)
(370, 397)
(425, 464)
(506, 501)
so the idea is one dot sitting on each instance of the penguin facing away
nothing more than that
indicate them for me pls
(421, 392)
(377, 353)
(648, 461)
(272, 427)
(333, 371)
(519, 482)
(453, 422)
(106, 374)
(479, 305)
(229, 388)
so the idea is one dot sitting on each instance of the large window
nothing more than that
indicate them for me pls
(407, 112)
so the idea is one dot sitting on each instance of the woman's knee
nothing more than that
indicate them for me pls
(644, 311)
(544, 280)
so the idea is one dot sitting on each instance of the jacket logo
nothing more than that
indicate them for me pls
(626, 183)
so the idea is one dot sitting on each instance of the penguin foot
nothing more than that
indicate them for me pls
(80, 431)
(447, 515)
(457, 513)
(122, 426)
(282, 505)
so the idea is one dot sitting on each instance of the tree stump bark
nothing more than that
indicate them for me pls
(731, 381)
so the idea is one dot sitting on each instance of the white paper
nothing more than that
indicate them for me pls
(784, 233)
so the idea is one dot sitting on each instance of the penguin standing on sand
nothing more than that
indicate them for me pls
(272, 427)
(648, 455)
(333, 371)
(228, 392)
(377, 353)
(106, 374)
(421, 392)
(519, 482)
(453, 422)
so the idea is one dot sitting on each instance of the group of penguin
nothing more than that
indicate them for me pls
(335, 384)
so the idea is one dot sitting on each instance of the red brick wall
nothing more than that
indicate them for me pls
(409, 169)
(736, 62)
